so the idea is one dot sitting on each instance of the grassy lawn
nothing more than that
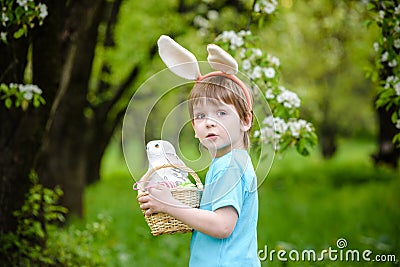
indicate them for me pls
(306, 203)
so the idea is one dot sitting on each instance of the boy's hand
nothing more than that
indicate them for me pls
(158, 200)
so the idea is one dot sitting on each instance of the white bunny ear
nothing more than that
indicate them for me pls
(178, 59)
(221, 60)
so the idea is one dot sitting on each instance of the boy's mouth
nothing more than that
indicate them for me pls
(211, 135)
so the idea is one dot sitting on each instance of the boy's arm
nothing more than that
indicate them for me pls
(218, 224)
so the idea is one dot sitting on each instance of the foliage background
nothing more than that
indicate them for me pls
(305, 203)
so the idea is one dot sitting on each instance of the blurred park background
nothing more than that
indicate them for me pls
(90, 59)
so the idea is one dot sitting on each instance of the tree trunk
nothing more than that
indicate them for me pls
(22, 131)
(13, 123)
(58, 140)
(328, 140)
(327, 130)
(387, 152)
(63, 159)
(19, 141)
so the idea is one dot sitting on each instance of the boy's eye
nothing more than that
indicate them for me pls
(199, 116)
(221, 113)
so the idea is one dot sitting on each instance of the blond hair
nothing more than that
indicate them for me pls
(222, 88)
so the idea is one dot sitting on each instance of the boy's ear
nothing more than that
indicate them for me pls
(247, 123)
(195, 134)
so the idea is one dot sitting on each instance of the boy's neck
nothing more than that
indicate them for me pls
(221, 152)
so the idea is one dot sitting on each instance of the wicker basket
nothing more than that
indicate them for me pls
(162, 223)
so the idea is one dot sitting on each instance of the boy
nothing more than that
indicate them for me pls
(225, 225)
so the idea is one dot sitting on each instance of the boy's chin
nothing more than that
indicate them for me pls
(220, 151)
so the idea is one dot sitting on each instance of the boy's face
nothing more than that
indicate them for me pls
(218, 127)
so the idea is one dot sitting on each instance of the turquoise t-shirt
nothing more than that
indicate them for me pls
(230, 181)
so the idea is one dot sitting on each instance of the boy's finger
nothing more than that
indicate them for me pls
(148, 212)
(155, 187)
(143, 199)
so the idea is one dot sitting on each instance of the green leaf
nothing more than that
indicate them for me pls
(24, 105)
(8, 103)
(367, 23)
(3, 87)
(36, 102)
(19, 12)
(19, 33)
(396, 140)
(370, 6)
(394, 117)
(374, 76)
(286, 142)
(261, 22)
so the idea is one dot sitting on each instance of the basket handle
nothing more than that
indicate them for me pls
(151, 171)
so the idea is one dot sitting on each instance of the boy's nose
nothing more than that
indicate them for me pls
(210, 122)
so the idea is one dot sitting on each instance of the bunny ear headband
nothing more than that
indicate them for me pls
(184, 64)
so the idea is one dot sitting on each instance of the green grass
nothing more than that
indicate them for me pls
(305, 203)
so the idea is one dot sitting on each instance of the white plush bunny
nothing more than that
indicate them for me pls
(159, 153)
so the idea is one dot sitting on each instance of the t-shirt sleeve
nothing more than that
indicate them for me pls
(228, 190)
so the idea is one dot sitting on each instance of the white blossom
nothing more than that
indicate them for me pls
(397, 9)
(257, 72)
(246, 65)
(23, 3)
(269, 94)
(200, 21)
(274, 128)
(398, 124)
(288, 99)
(3, 36)
(274, 60)
(385, 56)
(295, 129)
(397, 88)
(42, 11)
(280, 125)
(376, 46)
(392, 63)
(235, 40)
(269, 72)
(244, 33)
(265, 6)
(391, 79)
(4, 18)
(243, 53)
(28, 95)
(296, 126)
(13, 85)
(267, 135)
(269, 8)
(257, 52)
(269, 121)
(212, 14)
(28, 90)
(396, 43)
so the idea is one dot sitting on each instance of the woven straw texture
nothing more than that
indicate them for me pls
(161, 223)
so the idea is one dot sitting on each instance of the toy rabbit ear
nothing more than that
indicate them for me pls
(221, 60)
(178, 59)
